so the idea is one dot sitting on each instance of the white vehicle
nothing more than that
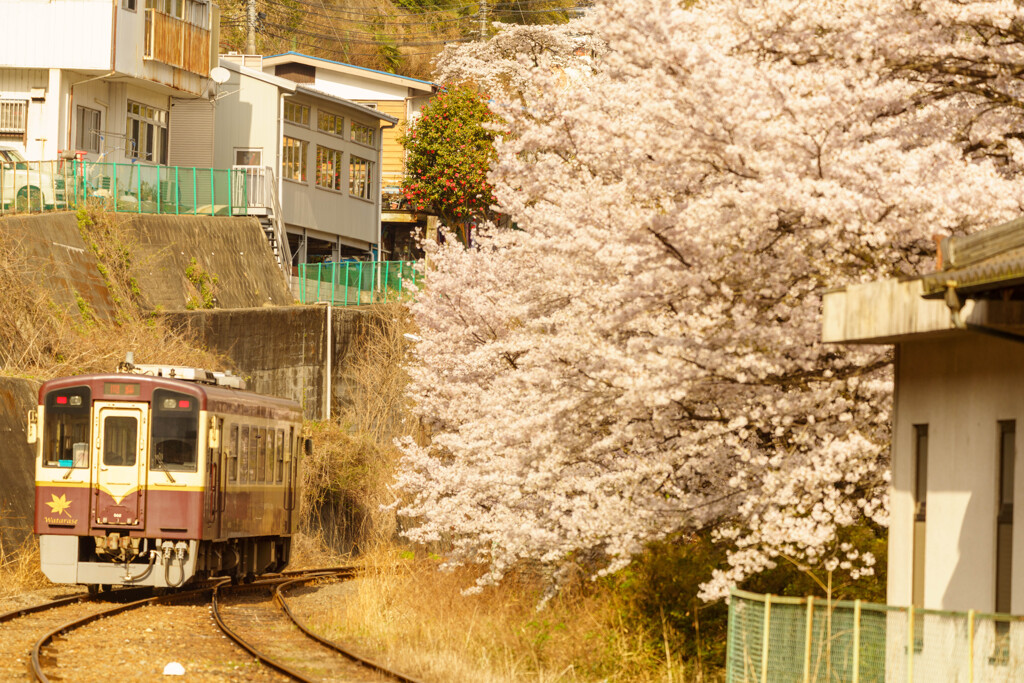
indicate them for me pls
(30, 185)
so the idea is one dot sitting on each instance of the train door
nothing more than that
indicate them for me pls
(215, 479)
(119, 495)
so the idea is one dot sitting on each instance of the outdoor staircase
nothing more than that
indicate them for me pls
(264, 204)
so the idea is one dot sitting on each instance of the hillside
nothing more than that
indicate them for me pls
(399, 36)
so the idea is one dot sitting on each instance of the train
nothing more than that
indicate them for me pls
(163, 475)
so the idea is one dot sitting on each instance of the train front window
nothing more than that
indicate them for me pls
(120, 441)
(175, 431)
(66, 427)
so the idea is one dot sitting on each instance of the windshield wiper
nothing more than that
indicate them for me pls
(159, 462)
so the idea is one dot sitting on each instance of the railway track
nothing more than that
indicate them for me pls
(255, 616)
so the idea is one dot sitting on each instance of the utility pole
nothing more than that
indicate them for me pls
(483, 20)
(250, 22)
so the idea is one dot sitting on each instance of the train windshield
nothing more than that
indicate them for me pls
(175, 431)
(66, 427)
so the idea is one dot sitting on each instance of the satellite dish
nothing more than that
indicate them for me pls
(219, 74)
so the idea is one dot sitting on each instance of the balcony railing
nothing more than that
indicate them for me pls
(178, 43)
(774, 638)
(351, 283)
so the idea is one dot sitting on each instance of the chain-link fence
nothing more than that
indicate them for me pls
(780, 639)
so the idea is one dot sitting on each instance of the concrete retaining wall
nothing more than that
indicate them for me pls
(233, 249)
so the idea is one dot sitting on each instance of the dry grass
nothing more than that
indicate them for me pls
(41, 339)
(19, 569)
(415, 618)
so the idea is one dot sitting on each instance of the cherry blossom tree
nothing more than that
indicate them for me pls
(644, 356)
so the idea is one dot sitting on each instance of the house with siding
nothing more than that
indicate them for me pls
(400, 97)
(955, 575)
(102, 78)
(316, 155)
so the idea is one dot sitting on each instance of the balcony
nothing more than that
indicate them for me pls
(177, 42)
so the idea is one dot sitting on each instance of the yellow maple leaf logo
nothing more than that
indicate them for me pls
(59, 505)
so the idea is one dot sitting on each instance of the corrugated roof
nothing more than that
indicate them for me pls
(990, 259)
(995, 272)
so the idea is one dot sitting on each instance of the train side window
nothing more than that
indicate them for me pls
(232, 447)
(271, 454)
(254, 441)
(280, 456)
(261, 466)
(174, 443)
(66, 430)
(243, 472)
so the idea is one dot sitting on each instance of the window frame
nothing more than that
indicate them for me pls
(81, 133)
(336, 161)
(287, 164)
(355, 178)
(362, 128)
(339, 123)
(148, 120)
(303, 111)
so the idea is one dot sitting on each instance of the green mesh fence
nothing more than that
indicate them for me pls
(781, 639)
(123, 188)
(351, 283)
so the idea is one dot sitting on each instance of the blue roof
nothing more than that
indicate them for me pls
(351, 66)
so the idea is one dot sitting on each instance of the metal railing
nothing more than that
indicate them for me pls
(351, 283)
(782, 639)
(27, 186)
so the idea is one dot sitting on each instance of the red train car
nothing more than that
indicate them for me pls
(160, 474)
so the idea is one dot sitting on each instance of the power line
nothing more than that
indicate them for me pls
(324, 36)
(347, 53)
(307, 3)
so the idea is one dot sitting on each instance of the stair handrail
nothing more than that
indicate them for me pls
(284, 251)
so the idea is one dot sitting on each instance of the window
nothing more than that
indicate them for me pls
(243, 456)
(359, 177)
(920, 506)
(254, 447)
(248, 157)
(1004, 518)
(362, 134)
(296, 113)
(87, 122)
(261, 463)
(328, 168)
(280, 456)
(146, 133)
(128, 5)
(13, 119)
(66, 428)
(232, 447)
(293, 159)
(330, 123)
(175, 431)
(120, 441)
(1004, 537)
(271, 454)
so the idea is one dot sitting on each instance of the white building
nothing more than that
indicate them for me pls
(318, 153)
(102, 77)
(400, 97)
(956, 539)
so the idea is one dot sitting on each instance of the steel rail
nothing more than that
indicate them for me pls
(60, 602)
(359, 659)
(37, 667)
(260, 657)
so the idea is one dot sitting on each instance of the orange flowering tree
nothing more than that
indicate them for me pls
(450, 149)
